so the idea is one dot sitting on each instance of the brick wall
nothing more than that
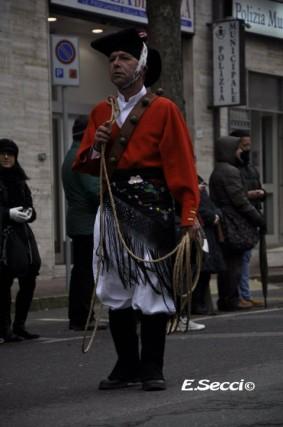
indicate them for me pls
(198, 87)
(25, 105)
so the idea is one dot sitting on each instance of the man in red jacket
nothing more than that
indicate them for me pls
(151, 168)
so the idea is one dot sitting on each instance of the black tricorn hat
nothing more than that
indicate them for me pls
(240, 133)
(130, 41)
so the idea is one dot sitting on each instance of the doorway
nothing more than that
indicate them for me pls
(59, 197)
(267, 156)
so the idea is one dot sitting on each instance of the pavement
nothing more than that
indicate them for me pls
(53, 292)
(228, 374)
(59, 387)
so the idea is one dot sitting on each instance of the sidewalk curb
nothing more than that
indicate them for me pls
(61, 300)
(47, 303)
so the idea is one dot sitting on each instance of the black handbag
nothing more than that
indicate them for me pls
(239, 233)
(19, 252)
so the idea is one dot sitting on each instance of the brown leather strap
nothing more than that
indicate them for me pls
(126, 131)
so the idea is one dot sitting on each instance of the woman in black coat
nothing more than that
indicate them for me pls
(19, 257)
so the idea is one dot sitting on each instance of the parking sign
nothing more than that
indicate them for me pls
(65, 60)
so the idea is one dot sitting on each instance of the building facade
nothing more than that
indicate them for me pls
(38, 114)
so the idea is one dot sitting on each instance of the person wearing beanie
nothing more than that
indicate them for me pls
(150, 163)
(256, 195)
(19, 257)
(82, 195)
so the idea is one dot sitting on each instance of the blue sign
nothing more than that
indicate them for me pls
(59, 73)
(65, 52)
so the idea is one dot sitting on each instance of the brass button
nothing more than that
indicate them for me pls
(134, 120)
(123, 140)
(160, 91)
(145, 102)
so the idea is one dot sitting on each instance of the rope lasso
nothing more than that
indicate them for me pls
(182, 273)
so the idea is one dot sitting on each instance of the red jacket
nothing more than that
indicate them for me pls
(161, 140)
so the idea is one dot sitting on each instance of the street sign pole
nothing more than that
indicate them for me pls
(68, 254)
(65, 72)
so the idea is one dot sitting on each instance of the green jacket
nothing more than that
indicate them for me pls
(82, 195)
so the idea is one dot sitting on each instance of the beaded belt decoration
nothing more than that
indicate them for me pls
(146, 214)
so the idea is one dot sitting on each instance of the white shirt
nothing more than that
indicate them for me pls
(126, 107)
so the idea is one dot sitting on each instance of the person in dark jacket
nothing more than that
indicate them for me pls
(82, 194)
(256, 195)
(227, 190)
(19, 256)
(213, 261)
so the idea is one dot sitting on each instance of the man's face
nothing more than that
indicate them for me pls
(122, 68)
(246, 143)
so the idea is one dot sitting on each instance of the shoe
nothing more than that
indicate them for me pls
(193, 326)
(199, 309)
(24, 334)
(11, 338)
(228, 306)
(117, 384)
(154, 384)
(243, 304)
(255, 302)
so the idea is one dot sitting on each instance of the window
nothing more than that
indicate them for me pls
(265, 92)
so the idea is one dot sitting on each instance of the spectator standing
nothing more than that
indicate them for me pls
(155, 163)
(19, 257)
(256, 195)
(213, 261)
(82, 195)
(227, 191)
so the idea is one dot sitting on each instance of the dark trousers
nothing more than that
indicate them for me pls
(23, 300)
(228, 282)
(201, 298)
(81, 283)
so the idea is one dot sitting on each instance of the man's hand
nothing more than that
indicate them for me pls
(201, 186)
(191, 229)
(102, 135)
(256, 194)
(216, 219)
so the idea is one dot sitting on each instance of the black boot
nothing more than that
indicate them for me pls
(123, 325)
(21, 332)
(23, 303)
(8, 336)
(153, 334)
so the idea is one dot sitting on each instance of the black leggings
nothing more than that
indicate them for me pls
(23, 300)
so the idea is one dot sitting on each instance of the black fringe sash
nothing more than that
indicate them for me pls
(146, 215)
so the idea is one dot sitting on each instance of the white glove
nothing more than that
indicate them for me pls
(28, 213)
(19, 215)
